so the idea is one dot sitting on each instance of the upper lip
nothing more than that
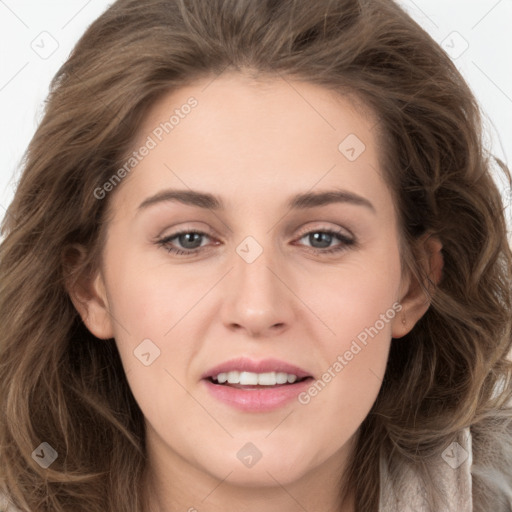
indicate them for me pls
(250, 365)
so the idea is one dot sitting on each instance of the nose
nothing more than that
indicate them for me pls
(258, 296)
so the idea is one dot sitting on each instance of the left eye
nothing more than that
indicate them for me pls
(188, 241)
(326, 237)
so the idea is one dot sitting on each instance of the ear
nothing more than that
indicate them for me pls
(87, 292)
(417, 293)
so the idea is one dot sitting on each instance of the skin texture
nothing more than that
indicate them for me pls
(254, 144)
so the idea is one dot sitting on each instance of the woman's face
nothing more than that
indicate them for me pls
(295, 273)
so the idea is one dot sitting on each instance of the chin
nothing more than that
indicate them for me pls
(273, 465)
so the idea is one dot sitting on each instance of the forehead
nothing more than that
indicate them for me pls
(234, 133)
(265, 106)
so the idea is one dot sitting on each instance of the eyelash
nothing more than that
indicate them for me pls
(346, 242)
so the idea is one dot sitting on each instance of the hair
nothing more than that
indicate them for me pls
(62, 385)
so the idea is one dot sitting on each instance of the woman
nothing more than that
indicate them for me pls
(254, 370)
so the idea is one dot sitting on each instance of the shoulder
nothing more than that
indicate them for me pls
(473, 474)
(492, 464)
(450, 475)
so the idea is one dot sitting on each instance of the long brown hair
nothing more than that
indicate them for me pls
(63, 386)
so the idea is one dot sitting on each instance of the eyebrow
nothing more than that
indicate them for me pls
(297, 202)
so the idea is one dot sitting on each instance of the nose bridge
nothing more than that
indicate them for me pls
(256, 297)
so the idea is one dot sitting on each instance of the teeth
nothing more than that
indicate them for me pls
(266, 379)
(248, 378)
(234, 377)
(281, 378)
(253, 379)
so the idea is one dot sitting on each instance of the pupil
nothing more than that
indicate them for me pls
(183, 239)
(318, 237)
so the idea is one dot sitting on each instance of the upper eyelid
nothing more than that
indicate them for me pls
(207, 232)
(308, 229)
(338, 230)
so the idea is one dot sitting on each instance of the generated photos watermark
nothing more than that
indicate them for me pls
(357, 345)
(152, 141)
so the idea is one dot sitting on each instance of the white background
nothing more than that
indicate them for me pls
(37, 36)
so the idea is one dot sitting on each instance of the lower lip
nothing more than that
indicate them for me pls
(257, 399)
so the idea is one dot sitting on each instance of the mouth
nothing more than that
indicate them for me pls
(253, 381)
(256, 386)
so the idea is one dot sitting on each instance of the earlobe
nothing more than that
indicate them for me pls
(88, 294)
(419, 289)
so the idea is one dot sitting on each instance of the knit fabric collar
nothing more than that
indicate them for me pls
(451, 475)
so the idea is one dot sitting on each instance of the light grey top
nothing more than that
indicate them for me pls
(451, 475)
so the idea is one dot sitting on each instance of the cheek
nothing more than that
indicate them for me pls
(337, 403)
(354, 360)
(357, 305)
(153, 315)
(354, 295)
(150, 300)
(151, 311)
